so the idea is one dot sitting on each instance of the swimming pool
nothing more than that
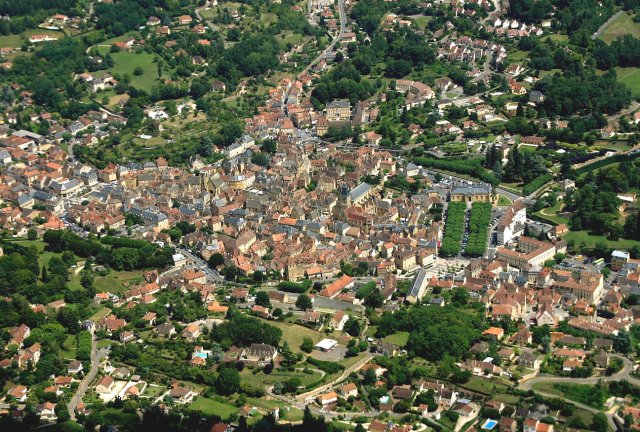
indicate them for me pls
(489, 424)
(203, 355)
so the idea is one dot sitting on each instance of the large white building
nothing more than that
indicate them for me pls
(513, 222)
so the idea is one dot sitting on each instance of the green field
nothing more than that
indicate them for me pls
(580, 393)
(623, 24)
(484, 385)
(127, 62)
(293, 334)
(210, 406)
(69, 347)
(631, 78)
(503, 201)
(400, 338)
(591, 239)
(517, 56)
(117, 282)
(551, 214)
(260, 379)
(11, 41)
(422, 21)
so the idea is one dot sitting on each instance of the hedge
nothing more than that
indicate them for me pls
(536, 184)
(453, 229)
(326, 366)
(470, 167)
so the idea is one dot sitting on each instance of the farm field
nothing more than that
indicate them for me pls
(631, 78)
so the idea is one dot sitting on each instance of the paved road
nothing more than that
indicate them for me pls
(623, 374)
(354, 368)
(96, 355)
(211, 25)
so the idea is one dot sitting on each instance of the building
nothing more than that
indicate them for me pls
(513, 222)
(260, 354)
(531, 252)
(619, 259)
(418, 287)
(472, 194)
(338, 111)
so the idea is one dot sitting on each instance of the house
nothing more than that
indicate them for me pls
(127, 336)
(338, 320)
(530, 359)
(508, 424)
(329, 398)
(185, 19)
(181, 394)
(349, 390)
(18, 335)
(192, 332)
(165, 329)
(402, 392)
(75, 367)
(496, 332)
(105, 385)
(335, 287)
(46, 412)
(260, 354)
(19, 393)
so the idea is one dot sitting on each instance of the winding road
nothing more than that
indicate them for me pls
(96, 355)
(622, 374)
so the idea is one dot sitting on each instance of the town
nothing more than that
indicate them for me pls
(371, 215)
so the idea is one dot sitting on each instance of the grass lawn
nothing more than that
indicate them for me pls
(11, 41)
(400, 338)
(503, 201)
(506, 398)
(69, 347)
(260, 379)
(117, 282)
(629, 77)
(484, 385)
(421, 21)
(126, 62)
(575, 392)
(515, 187)
(293, 334)
(517, 56)
(623, 24)
(100, 314)
(551, 214)
(591, 239)
(210, 406)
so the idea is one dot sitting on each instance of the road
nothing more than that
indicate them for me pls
(623, 374)
(329, 49)
(211, 274)
(211, 25)
(96, 355)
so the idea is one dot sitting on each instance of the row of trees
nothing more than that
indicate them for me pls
(453, 229)
(478, 228)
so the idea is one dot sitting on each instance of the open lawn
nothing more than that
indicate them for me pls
(100, 314)
(517, 56)
(69, 347)
(260, 379)
(11, 41)
(126, 62)
(400, 338)
(623, 24)
(293, 334)
(631, 78)
(421, 21)
(210, 406)
(581, 393)
(503, 201)
(551, 214)
(591, 239)
(117, 282)
(484, 385)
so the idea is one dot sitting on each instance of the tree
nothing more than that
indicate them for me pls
(352, 326)
(307, 344)
(228, 381)
(32, 234)
(216, 259)
(262, 299)
(304, 302)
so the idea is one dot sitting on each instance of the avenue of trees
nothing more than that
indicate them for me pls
(453, 229)
(478, 228)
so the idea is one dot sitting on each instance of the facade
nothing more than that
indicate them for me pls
(338, 111)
